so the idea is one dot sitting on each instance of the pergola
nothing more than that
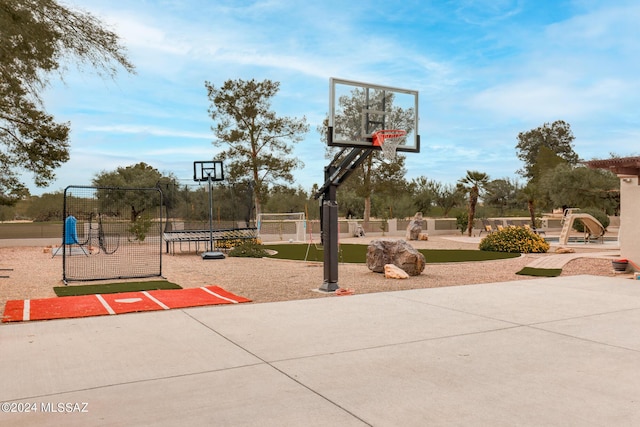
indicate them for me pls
(629, 166)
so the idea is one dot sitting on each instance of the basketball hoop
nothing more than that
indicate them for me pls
(389, 140)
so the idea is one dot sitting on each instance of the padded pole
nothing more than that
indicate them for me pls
(334, 175)
(330, 235)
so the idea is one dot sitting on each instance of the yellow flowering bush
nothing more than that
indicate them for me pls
(514, 240)
(231, 242)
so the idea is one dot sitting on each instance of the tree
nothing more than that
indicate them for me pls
(384, 179)
(36, 36)
(473, 183)
(47, 207)
(582, 187)
(259, 143)
(531, 193)
(140, 175)
(283, 199)
(447, 197)
(501, 194)
(546, 160)
(556, 137)
(423, 193)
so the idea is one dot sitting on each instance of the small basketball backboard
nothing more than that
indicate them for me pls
(357, 110)
(202, 170)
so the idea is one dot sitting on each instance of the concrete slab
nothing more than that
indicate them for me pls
(510, 377)
(616, 329)
(554, 352)
(42, 358)
(622, 284)
(533, 301)
(278, 331)
(245, 396)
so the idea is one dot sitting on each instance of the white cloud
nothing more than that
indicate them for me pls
(149, 130)
(542, 100)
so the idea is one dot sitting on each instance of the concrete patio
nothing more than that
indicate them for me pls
(555, 352)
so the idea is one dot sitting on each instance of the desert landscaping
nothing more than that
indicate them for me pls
(30, 272)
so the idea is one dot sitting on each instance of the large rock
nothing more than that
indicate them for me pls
(415, 227)
(398, 252)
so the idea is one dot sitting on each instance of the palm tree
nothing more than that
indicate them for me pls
(531, 194)
(473, 183)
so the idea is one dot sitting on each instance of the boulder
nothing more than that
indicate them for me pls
(564, 250)
(397, 252)
(415, 227)
(423, 236)
(355, 229)
(394, 272)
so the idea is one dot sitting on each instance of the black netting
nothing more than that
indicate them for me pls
(112, 233)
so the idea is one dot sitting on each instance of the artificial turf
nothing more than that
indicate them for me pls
(112, 288)
(541, 272)
(354, 253)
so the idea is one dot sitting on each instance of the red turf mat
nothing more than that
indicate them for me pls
(127, 302)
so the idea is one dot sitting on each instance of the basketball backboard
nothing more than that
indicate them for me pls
(202, 170)
(357, 110)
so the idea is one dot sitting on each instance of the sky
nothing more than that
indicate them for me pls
(485, 71)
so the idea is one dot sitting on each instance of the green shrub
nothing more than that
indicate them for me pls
(514, 240)
(248, 249)
(602, 217)
(462, 221)
(140, 227)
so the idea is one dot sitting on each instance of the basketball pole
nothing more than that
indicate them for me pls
(330, 234)
(341, 167)
(208, 168)
(210, 211)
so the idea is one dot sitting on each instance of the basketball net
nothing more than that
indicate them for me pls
(389, 140)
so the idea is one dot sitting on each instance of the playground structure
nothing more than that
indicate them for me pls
(593, 229)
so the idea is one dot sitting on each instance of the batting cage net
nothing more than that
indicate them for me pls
(111, 233)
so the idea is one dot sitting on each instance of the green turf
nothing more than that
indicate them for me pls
(542, 272)
(112, 288)
(463, 255)
(353, 253)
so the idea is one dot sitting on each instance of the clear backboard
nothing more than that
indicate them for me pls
(202, 170)
(358, 110)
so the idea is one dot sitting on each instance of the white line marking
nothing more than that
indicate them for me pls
(26, 310)
(157, 301)
(105, 304)
(219, 296)
(128, 300)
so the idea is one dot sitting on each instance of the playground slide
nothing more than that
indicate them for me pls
(591, 224)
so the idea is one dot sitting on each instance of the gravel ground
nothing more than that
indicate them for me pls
(32, 273)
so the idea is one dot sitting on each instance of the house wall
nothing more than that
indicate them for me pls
(629, 234)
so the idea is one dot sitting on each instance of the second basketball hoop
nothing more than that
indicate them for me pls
(388, 140)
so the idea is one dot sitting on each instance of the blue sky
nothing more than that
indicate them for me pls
(485, 70)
